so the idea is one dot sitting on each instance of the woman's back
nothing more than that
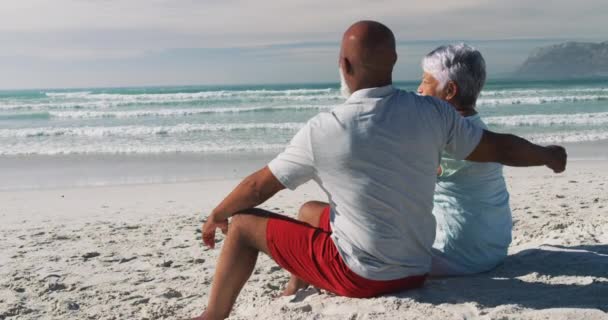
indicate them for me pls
(471, 206)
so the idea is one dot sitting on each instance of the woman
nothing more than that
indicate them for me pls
(471, 203)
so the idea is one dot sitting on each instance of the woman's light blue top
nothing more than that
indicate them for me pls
(471, 206)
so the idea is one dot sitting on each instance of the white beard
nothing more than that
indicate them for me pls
(344, 89)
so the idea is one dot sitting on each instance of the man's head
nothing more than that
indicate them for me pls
(455, 73)
(367, 56)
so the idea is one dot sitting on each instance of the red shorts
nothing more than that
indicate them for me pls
(310, 254)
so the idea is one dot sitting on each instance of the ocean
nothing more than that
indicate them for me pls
(224, 122)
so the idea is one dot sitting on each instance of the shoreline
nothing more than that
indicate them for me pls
(39, 172)
(73, 171)
(144, 200)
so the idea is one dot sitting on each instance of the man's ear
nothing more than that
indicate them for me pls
(451, 90)
(346, 66)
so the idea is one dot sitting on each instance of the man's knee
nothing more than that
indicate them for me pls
(249, 228)
(241, 222)
(305, 209)
(311, 211)
(238, 220)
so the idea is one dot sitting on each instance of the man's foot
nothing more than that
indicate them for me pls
(201, 317)
(293, 286)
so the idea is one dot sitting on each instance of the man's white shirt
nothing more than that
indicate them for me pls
(376, 157)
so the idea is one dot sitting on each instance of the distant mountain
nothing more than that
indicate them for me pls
(566, 61)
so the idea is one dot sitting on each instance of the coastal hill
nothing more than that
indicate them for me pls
(566, 61)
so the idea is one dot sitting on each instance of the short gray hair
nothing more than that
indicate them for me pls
(460, 63)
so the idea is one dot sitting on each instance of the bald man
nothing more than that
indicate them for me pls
(376, 157)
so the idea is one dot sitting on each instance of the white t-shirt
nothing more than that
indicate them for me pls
(376, 157)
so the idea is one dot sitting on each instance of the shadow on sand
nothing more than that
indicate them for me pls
(547, 282)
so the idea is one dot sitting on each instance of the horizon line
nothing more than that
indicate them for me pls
(501, 78)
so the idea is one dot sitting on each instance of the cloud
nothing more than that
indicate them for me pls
(295, 35)
(283, 20)
(152, 24)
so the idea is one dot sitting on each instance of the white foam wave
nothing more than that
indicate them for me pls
(94, 106)
(569, 136)
(102, 101)
(41, 106)
(550, 119)
(541, 92)
(539, 100)
(74, 94)
(134, 146)
(294, 94)
(130, 148)
(133, 131)
(176, 112)
(108, 104)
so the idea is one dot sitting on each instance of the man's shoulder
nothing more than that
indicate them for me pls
(414, 99)
(477, 121)
(321, 118)
(399, 98)
(325, 123)
(430, 101)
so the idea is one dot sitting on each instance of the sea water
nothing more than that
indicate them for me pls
(229, 121)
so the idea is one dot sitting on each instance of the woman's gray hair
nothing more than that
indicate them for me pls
(460, 63)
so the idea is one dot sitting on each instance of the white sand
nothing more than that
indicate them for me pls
(134, 252)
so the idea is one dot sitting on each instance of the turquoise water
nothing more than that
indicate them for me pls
(238, 119)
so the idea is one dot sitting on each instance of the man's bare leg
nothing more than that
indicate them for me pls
(246, 237)
(310, 212)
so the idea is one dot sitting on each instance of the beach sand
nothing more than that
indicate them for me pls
(135, 252)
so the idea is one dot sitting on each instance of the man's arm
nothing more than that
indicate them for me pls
(252, 191)
(514, 151)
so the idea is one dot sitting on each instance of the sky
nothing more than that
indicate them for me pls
(109, 43)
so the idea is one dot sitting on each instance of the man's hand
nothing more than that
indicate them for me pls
(557, 158)
(209, 228)
(514, 151)
(251, 192)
